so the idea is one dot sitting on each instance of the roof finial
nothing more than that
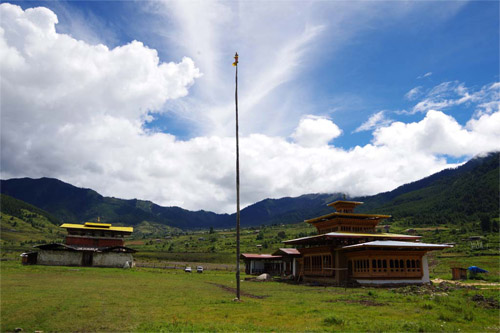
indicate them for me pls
(98, 219)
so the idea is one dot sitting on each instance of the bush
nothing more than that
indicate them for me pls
(332, 320)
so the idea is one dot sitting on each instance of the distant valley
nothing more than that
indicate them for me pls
(452, 196)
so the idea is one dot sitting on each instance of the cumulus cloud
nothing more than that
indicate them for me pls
(314, 131)
(77, 111)
(376, 120)
(439, 133)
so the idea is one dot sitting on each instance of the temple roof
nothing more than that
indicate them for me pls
(344, 203)
(334, 235)
(96, 226)
(397, 244)
(354, 215)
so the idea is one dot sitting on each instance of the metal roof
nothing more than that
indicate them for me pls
(287, 250)
(397, 244)
(65, 247)
(94, 226)
(333, 235)
(259, 256)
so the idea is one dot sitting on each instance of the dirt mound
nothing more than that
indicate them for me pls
(486, 302)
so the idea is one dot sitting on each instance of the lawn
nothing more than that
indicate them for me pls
(104, 299)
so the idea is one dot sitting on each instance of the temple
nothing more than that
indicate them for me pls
(89, 244)
(348, 248)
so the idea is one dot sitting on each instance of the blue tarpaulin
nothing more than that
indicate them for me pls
(475, 269)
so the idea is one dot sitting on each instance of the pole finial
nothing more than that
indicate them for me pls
(235, 63)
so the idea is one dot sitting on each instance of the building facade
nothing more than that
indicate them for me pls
(348, 248)
(89, 244)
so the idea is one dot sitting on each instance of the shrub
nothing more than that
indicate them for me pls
(332, 320)
(427, 306)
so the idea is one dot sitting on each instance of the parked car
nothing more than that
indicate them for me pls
(187, 269)
(199, 269)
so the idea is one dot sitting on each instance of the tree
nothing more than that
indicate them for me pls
(211, 230)
(281, 234)
(494, 226)
(485, 222)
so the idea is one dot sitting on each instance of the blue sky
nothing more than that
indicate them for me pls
(355, 84)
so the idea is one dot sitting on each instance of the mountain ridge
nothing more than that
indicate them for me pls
(419, 201)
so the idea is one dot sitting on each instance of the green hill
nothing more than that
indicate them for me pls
(22, 223)
(453, 196)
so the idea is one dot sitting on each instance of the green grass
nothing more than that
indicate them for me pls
(104, 299)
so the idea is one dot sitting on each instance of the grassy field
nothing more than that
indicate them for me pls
(103, 299)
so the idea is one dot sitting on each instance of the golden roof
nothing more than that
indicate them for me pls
(96, 226)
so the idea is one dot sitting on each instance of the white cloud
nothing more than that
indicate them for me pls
(277, 43)
(453, 93)
(439, 134)
(76, 112)
(314, 131)
(376, 120)
(425, 75)
(413, 93)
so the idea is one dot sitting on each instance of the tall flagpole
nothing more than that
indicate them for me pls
(237, 185)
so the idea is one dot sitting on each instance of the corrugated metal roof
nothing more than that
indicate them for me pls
(332, 235)
(389, 243)
(93, 227)
(287, 250)
(259, 256)
(65, 247)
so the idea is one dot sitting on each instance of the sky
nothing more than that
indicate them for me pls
(135, 99)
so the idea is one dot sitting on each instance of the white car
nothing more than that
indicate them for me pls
(187, 269)
(199, 269)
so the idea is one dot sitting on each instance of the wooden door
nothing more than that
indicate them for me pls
(87, 258)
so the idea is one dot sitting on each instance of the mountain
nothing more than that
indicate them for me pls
(449, 196)
(22, 222)
(73, 204)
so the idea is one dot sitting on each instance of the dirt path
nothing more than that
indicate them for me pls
(233, 290)
(495, 285)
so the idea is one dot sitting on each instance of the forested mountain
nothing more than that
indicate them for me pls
(450, 196)
(18, 208)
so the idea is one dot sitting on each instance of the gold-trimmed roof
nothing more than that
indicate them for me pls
(354, 203)
(96, 226)
(337, 214)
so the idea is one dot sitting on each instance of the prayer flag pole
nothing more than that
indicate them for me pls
(235, 64)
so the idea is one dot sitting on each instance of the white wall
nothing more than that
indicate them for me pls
(112, 259)
(59, 258)
(74, 258)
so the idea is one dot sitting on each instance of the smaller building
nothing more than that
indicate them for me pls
(256, 264)
(281, 262)
(89, 244)
(289, 258)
